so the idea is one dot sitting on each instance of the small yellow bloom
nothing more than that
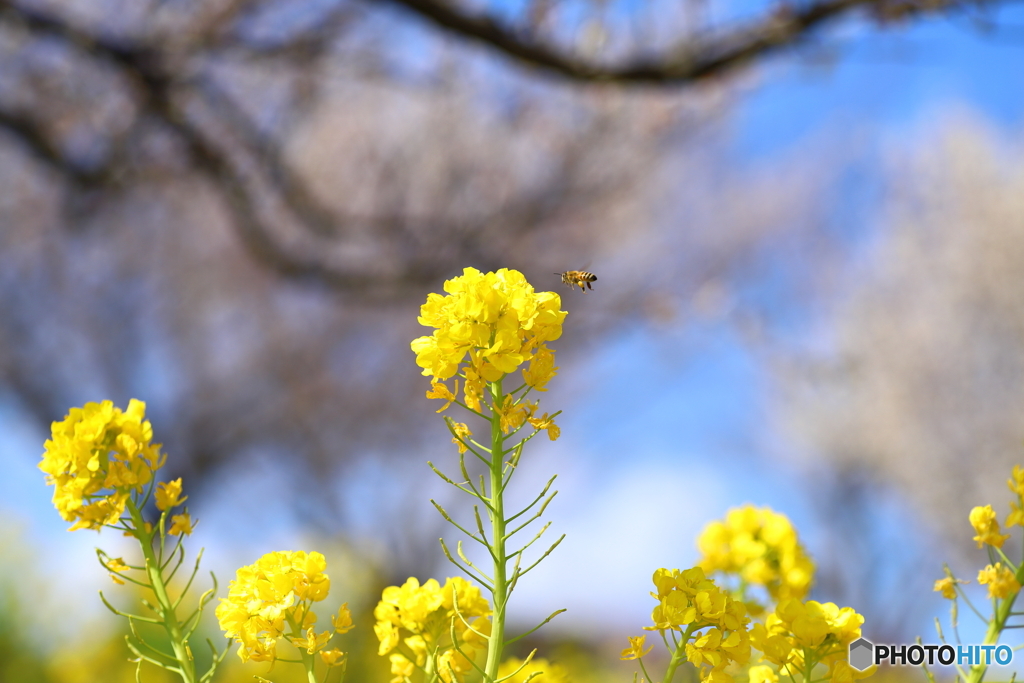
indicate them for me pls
(312, 642)
(762, 673)
(715, 676)
(1000, 580)
(513, 414)
(984, 521)
(545, 422)
(635, 649)
(401, 668)
(440, 390)
(333, 657)
(542, 369)
(116, 565)
(946, 586)
(1016, 480)
(462, 434)
(168, 495)
(1016, 516)
(181, 524)
(343, 621)
(452, 665)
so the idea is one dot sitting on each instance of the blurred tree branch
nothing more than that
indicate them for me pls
(690, 59)
(210, 154)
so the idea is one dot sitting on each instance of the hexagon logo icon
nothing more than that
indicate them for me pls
(862, 653)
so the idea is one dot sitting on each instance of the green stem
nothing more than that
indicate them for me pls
(995, 628)
(186, 665)
(496, 511)
(678, 656)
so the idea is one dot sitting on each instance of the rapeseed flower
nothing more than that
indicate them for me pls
(947, 586)
(800, 634)
(636, 648)
(1000, 580)
(415, 621)
(1016, 480)
(168, 495)
(712, 623)
(181, 524)
(492, 322)
(271, 599)
(96, 457)
(761, 546)
(986, 526)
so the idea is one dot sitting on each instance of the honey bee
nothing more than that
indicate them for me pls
(579, 278)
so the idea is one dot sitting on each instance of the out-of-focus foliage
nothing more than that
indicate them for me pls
(907, 401)
(921, 384)
(233, 210)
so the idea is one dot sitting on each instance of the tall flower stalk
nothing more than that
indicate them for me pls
(101, 462)
(1002, 576)
(487, 327)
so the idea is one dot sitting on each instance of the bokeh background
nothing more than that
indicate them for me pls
(807, 221)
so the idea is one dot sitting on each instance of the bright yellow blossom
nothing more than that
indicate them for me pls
(440, 390)
(343, 621)
(168, 495)
(542, 369)
(513, 414)
(95, 458)
(413, 615)
(332, 657)
(494, 322)
(636, 648)
(311, 641)
(798, 630)
(545, 422)
(181, 524)
(116, 565)
(426, 609)
(762, 673)
(716, 623)
(984, 521)
(452, 665)
(762, 548)
(1016, 516)
(462, 433)
(1000, 580)
(273, 595)
(946, 586)
(1016, 480)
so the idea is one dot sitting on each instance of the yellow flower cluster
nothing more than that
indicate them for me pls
(274, 596)
(495, 322)
(986, 527)
(534, 671)
(688, 600)
(415, 623)
(1016, 484)
(97, 455)
(762, 547)
(1000, 579)
(798, 633)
